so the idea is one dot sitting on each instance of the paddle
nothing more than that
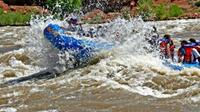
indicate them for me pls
(45, 74)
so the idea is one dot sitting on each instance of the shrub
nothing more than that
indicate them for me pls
(96, 19)
(145, 8)
(1, 11)
(197, 4)
(175, 11)
(63, 6)
(14, 18)
(126, 13)
(144, 5)
(161, 12)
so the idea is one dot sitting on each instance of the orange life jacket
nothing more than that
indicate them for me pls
(188, 54)
(163, 47)
(172, 47)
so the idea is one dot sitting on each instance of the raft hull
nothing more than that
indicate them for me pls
(80, 48)
(183, 66)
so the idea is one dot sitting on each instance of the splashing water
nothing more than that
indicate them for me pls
(127, 69)
(128, 55)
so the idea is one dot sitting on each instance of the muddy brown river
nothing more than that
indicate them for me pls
(124, 79)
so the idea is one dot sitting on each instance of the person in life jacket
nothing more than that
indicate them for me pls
(166, 46)
(72, 24)
(92, 32)
(153, 41)
(187, 53)
(196, 44)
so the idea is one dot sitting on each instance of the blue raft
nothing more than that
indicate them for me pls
(82, 49)
(182, 66)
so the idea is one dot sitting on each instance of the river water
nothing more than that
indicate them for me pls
(125, 79)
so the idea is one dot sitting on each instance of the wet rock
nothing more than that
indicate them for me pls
(9, 73)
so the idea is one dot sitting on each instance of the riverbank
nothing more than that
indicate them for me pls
(14, 18)
(149, 10)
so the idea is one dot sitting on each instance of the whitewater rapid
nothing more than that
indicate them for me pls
(127, 68)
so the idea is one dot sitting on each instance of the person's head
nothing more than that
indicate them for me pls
(154, 29)
(91, 28)
(192, 40)
(167, 36)
(99, 27)
(74, 21)
(183, 42)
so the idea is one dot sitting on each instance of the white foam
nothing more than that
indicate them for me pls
(52, 110)
(36, 89)
(14, 94)
(8, 109)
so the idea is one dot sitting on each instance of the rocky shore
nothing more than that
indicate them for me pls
(105, 14)
(22, 8)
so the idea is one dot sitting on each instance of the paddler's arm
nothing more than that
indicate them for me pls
(180, 55)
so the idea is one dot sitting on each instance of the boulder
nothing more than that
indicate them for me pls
(182, 3)
(112, 15)
(99, 13)
(94, 13)
(191, 16)
(4, 6)
(25, 9)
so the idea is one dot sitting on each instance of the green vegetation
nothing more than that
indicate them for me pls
(165, 12)
(159, 12)
(14, 18)
(63, 6)
(145, 8)
(197, 4)
(126, 13)
(175, 11)
(95, 20)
